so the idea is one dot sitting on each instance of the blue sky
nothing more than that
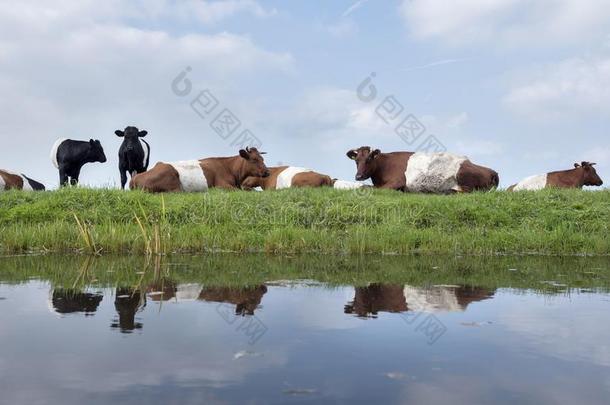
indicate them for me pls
(522, 88)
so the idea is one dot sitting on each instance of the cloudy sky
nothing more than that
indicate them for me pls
(521, 87)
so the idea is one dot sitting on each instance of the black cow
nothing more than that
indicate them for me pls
(70, 156)
(134, 153)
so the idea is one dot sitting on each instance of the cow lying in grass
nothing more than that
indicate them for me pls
(199, 175)
(583, 174)
(286, 177)
(439, 173)
(13, 181)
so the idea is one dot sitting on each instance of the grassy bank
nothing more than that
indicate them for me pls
(296, 221)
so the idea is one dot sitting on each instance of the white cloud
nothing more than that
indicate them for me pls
(354, 7)
(343, 28)
(570, 88)
(77, 69)
(512, 22)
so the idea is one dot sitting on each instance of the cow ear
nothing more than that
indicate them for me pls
(142, 134)
(352, 154)
(91, 141)
(576, 165)
(375, 153)
(244, 154)
(119, 133)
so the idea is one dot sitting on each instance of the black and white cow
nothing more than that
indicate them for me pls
(134, 153)
(14, 181)
(69, 156)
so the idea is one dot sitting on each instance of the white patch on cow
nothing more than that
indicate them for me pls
(435, 299)
(433, 172)
(26, 184)
(191, 176)
(537, 182)
(2, 183)
(54, 151)
(284, 179)
(347, 185)
(146, 149)
(188, 292)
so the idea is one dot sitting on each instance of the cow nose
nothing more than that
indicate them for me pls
(359, 177)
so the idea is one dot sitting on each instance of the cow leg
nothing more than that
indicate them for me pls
(63, 177)
(123, 178)
(74, 175)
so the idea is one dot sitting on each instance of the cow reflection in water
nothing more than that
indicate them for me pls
(246, 300)
(127, 303)
(68, 301)
(375, 298)
(162, 291)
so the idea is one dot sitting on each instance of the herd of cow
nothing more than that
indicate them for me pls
(439, 173)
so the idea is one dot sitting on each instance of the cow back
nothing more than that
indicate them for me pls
(54, 151)
(192, 178)
(433, 172)
(537, 182)
(284, 179)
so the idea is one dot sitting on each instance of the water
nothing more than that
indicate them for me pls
(253, 329)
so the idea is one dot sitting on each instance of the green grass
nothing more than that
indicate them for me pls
(553, 222)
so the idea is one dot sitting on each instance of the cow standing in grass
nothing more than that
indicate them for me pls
(70, 156)
(199, 175)
(134, 153)
(14, 181)
(439, 173)
(583, 174)
(286, 177)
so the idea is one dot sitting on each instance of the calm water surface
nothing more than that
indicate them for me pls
(260, 330)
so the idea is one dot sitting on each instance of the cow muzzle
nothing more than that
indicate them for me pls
(360, 177)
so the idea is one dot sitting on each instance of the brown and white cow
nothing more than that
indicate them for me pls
(421, 172)
(13, 181)
(199, 175)
(583, 174)
(286, 177)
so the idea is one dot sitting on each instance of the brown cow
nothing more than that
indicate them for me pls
(199, 175)
(583, 174)
(375, 298)
(246, 300)
(421, 172)
(288, 176)
(13, 181)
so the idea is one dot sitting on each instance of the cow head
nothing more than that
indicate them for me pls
(96, 152)
(131, 136)
(255, 164)
(365, 161)
(591, 178)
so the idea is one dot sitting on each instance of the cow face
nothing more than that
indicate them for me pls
(96, 152)
(365, 161)
(255, 164)
(131, 137)
(591, 177)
